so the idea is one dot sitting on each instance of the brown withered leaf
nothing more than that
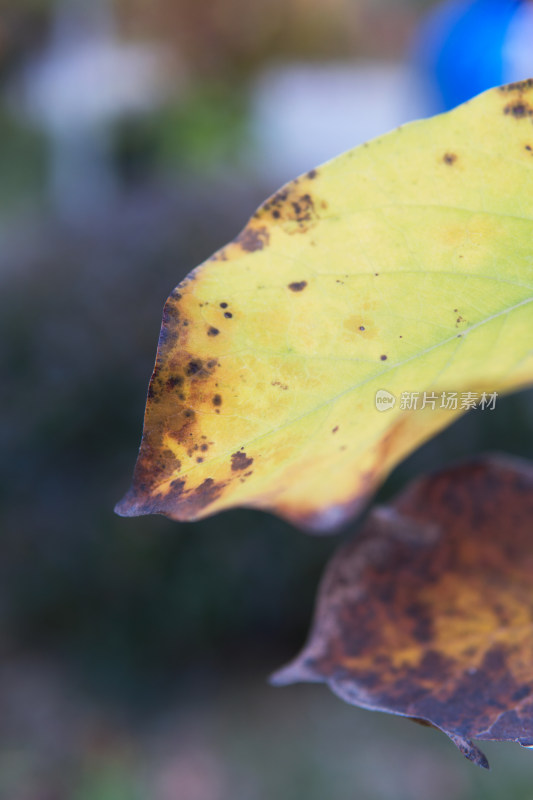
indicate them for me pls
(428, 613)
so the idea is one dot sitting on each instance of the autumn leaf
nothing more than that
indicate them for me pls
(403, 266)
(428, 613)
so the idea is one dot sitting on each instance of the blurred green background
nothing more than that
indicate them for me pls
(135, 139)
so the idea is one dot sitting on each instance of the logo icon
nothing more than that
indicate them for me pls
(385, 400)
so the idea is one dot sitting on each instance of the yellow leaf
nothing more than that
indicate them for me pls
(405, 265)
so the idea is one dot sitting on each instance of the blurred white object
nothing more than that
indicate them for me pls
(518, 47)
(305, 114)
(77, 88)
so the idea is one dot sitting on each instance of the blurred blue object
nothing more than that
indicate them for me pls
(467, 47)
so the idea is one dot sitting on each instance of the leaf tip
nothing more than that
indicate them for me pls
(130, 506)
(297, 671)
(470, 750)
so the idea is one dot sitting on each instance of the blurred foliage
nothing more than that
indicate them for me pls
(232, 37)
(23, 162)
(123, 599)
(235, 36)
(208, 128)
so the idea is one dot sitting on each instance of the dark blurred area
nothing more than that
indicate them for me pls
(135, 139)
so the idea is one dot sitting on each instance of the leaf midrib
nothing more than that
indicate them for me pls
(353, 387)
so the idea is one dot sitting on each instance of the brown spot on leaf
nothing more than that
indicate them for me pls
(193, 367)
(173, 381)
(252, 239)
(449, 158)
(240, 461)
(220, 255)
(179, 385)
(297, 286)
(213, 331)
(205, 494)
(217, 400)
(517, 86)
(518, 109)
(293, 206)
